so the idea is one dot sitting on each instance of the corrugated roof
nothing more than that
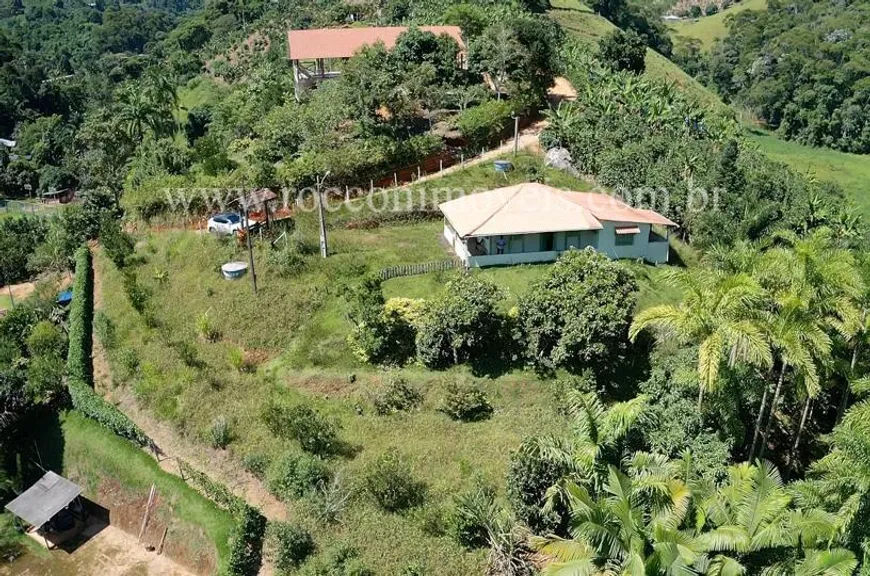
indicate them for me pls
(344, 42)
(533, 208)
(39, 503)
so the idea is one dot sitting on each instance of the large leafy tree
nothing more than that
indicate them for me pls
(578, 315)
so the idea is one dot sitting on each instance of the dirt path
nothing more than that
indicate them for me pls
(217, 464)
(110, 552)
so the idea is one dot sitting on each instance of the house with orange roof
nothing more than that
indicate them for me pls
(532, 222)
(316, 54)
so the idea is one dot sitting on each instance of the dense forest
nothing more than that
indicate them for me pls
(800, 67)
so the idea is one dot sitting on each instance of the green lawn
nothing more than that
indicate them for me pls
(851, 171)
(708, 29)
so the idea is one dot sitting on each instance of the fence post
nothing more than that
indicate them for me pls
(396, 178)
(346, 193)
(441, 165)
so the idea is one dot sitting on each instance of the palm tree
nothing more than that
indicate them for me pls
(814, 285)
(753, 512)
(633, 529)
(719, 311)
(596, 429)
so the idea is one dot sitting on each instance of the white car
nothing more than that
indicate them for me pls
(225, 224)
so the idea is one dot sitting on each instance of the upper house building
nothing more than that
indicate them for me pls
(535, 223)
(316, 53)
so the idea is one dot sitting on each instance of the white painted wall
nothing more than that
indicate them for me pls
(526, 248)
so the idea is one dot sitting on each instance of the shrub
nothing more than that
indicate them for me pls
(396, 396)
(246, 543)
(136, 294)
(414, 569)
(237, 360)
(530, 475)
(257, 464)
(81, 316)
(466, 403)
(329, 501)
(117, 244)
(104, 329)
(289, 546)
(80, 369)
(389, 481)
(485, 124)
(219, 433)
(475, 513)
(206, 329)
(128, 362)
(46, 339)
(10, 541)
(293, 475)
(302, 423)
(339, 560)
(624, 51)
(432, 519)
(378, 336)
(286, 261)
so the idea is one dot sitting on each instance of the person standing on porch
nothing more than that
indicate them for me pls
(500, 245)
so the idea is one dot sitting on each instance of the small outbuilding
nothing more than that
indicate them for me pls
(533, 222)
(51, 507)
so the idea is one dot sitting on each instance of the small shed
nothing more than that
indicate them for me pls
(257, 202)
(42, 504)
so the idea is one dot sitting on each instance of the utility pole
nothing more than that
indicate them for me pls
(516, 134)
(244, 201)
(324, 246)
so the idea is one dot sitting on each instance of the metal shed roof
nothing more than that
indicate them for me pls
(39, 503)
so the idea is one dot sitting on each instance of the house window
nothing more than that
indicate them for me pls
(625, 236)
(548, 242)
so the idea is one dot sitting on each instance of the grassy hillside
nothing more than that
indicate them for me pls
(589, 28)
(295, 332)
(708, 29)
(851, 171)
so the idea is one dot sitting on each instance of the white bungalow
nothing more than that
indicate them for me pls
(535, 223)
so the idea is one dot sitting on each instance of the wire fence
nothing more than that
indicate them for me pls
(418, 269)
(18, 207)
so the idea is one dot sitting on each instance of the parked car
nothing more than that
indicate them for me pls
(225, 224)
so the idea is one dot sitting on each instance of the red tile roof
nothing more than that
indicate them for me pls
(344, 42)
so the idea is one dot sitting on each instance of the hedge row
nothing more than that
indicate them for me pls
(246, 541)
(81, 317)
(79, 363)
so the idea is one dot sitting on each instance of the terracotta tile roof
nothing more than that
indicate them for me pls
(535, 208)
(344, 42)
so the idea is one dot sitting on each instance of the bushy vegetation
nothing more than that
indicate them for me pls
(314, 433)
(799, 67)
(641, 148)
(466, 403)
(396, 396)
(289, 546)
(391, 484)
(577, 316)
(293, 475)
